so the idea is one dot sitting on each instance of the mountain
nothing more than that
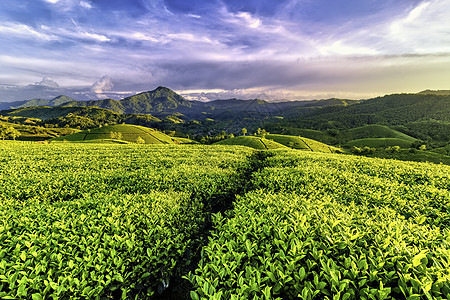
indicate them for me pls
(160, 101)
(61, 99)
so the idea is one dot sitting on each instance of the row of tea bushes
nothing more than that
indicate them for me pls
(318, 226)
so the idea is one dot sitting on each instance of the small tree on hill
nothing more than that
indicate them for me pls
(115, 135)
(140, 140)
(244, 131)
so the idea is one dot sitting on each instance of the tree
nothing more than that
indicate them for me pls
(244, 131)
(140, 140)
(115, 135)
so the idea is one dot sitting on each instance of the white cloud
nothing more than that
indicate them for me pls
(25, 31)
(85, 4)
(251, 21)
(102, 85)
(47, 82)
(425, 29)
(341, 47)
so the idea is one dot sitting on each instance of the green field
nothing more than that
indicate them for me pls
(129, 221)
(252, 142)
(375, 131)
(128, 133)
(301, 143)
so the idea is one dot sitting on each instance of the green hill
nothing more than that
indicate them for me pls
(252, 142)
(159, 101)
(47, 112)
(301, 143)
(443, 150)
(127, 133)
(379, 142)
(375, 131)
(398, 110)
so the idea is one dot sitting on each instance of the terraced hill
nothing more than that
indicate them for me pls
(376, 131)
(252, 142)
(301, 143)
(114, 133)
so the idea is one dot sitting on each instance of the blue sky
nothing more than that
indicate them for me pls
(293, 49)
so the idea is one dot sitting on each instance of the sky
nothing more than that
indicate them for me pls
(212, 49)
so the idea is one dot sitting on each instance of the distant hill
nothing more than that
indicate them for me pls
(127, 133)
(435, 92)
(35, 102)
(417, 115)
(163, 101)
(46, 112)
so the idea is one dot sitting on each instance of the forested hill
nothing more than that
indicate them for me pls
(395, 109)
(160, 100)
(422, 116)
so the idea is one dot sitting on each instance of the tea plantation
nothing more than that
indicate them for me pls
(128, 221)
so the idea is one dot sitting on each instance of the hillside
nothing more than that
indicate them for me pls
(417, 115)
(127, 133)
(29, 131)
(301, 143)
(252, 142)
(375, 131)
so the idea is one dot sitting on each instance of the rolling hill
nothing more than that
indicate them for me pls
(276, 141)
(398, 110)
(375, 131)
(252, 142)
(127, 133)
(301, 143)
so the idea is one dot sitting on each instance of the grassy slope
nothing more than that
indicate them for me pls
(442, 150)
(252, 142)
(301, 143)
(129, 133)
(38, 133)
(375, 131)
(311, 134)
(379, 142)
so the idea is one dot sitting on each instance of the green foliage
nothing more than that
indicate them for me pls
(121, 225)
(116, 135)
(140, 140)
(301, 225)
(320, 226)
(393, 149)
